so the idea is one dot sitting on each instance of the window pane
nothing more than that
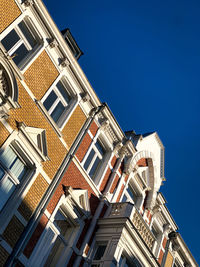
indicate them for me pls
(63, 91)
(27, 34)
(95, 167)
(10, 40)
(1, 173)
(100, 252)
(6, 189)
(61, 223)
(89, 159)
(55, 253)
(20, 53)
(100, 148)
(18, 168)
(56, 114)
(50, 100)
(8, 157)
(132, 193)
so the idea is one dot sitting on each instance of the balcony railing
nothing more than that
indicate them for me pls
(129, 210)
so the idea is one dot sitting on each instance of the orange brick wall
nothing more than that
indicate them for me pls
(9, 11)
(32, 198)
(3, 134)
(73, 126)
(40, 75)
(169, 260)
(25, 114)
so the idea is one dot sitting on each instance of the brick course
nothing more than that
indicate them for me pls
(11, 10)
(40, 75)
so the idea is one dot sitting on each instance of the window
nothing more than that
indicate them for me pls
(57, 101)
(12, 171)
(94, 159)
(20, 42)
(125, 262)
(130, 195)
(99, 251)
(64, 231)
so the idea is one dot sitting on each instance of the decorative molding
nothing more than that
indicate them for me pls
(53, 43)
(64, 62)
(28, 3)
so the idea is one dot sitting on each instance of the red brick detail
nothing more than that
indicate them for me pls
(82, 236)
(142, 162)
(73, 178)
(105, 180)
(114, 184)
(145, 201)
(126, 178)
(120, 193)
(35, 236)
(113, 161)
(72, 260)
(164, 242)
(160, 257)
(121, 167)
(93, 128)
(83, 147)
(150, 217)
(103, 211)
(82, 263)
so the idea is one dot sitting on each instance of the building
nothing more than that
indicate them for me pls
(75, 189)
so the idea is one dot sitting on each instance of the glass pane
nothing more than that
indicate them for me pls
(99, 253)
(10, 40)
(18, 168)
(27, 34)
(56, 114)
(63, 91)
(95, 167)
(20, 54)
(8, 157)
(61, 223)
(55, 253)
(132, 193)
(6, 189)
(50, 100)
(100, 148)
(1, 173)
(89, 159)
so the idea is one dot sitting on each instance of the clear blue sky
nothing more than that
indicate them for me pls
(143, 59)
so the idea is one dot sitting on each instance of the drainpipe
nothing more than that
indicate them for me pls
(172, 237)
(29, 229)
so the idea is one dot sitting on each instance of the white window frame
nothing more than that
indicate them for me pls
(23, 148)
(99, 175)
(69, 107)
(34, 32)
(66, 207)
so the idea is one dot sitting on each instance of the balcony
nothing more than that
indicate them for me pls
(128, 210)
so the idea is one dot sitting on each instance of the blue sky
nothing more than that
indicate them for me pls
(143, 59)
